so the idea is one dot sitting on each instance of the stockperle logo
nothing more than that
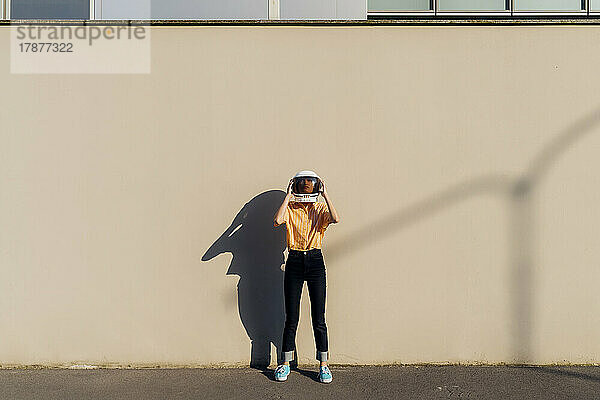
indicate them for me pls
(43, 49)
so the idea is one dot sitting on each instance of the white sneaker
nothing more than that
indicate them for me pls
(281, 372)
(325, 374)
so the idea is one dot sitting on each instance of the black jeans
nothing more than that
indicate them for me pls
(304, 266)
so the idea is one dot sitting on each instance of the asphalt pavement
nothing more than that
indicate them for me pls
(349, 382)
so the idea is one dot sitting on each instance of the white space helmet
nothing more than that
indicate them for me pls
(304, 180)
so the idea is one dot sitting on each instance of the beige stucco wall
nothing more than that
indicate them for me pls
(116, 189)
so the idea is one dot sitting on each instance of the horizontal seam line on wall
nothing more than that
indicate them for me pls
(369, 22)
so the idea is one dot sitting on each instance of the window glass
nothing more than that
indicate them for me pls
(472, 5)
(400, 5)
(594, 5)
(207, 9)
(123, 9)
(548, 5)
(50, 9)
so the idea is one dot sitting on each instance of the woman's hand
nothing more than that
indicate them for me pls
(332, 212)
(323, 189)
(280, 215)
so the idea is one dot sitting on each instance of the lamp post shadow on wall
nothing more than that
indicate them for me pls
(258, 254)
(520, 192)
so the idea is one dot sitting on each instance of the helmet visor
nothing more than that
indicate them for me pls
(305, 185)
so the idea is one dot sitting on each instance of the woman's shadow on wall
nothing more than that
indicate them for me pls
(257, 247)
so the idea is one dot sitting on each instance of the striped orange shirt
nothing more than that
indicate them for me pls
(305, 224)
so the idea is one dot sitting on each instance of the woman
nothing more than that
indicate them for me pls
(306, 221)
